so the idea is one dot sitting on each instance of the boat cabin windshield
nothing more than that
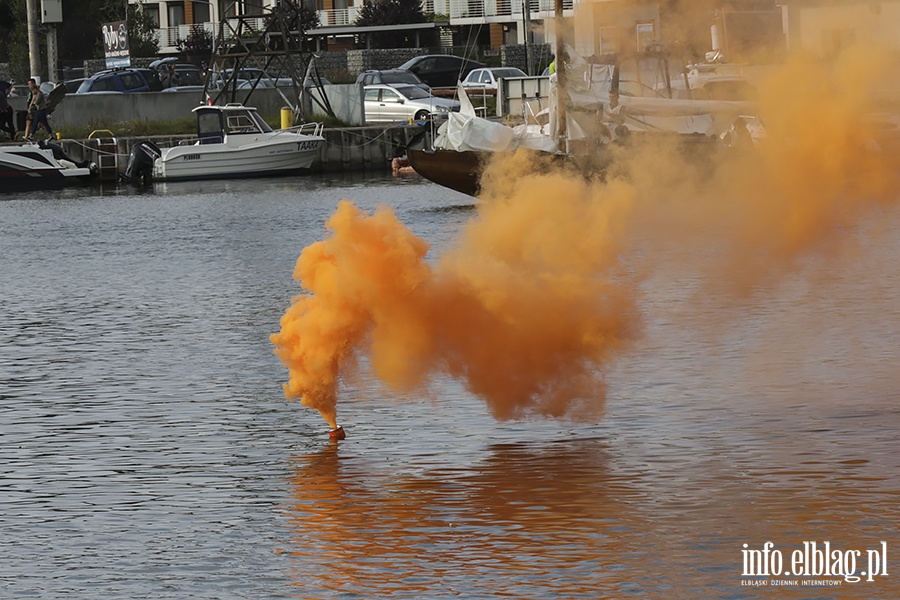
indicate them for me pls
(209, 127)
(244, 121)
(213, 124)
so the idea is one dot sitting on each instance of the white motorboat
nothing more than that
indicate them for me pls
(232, 141)
(40, 166)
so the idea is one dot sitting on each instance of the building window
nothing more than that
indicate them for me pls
(176, 14)
(253, 7)
(152, 11)
(201, 12)
(606, 40)
(646, 36)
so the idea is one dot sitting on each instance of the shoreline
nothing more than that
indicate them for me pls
(346, 149)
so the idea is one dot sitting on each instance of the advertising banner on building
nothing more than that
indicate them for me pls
(115, 41)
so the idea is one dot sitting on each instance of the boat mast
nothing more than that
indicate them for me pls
(529, 42)
(561, 93)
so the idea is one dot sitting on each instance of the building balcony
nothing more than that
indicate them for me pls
(169, 37)
(340, 17)
(462, 12)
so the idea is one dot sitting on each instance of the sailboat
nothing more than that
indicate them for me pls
(593, 103)
(465, 142)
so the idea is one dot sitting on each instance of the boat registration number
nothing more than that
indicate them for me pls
(307, 145)
(191, 157)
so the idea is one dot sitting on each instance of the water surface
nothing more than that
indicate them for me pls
(147, 450)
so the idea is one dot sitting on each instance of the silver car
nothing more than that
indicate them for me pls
(393, 104)
(489, 78)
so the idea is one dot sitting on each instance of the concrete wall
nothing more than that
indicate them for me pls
(109, 110)
(345, 149)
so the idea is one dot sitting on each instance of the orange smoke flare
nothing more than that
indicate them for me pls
(525, 311)
(540, 292)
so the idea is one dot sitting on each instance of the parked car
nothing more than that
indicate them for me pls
(247, 78)
(188, 74)
(152, 78)
(117, 80)
(73, 84)
(252, 75)
(391, 104)
(309, 82)
(487, 78)
(440, 70)
(391, 77)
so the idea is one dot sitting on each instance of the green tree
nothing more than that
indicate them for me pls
(293, 18)
(142, 32)
(8, 18)
(391, 12)
(198, 45)
(14, 38)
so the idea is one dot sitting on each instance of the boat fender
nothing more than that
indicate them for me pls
(140, 162)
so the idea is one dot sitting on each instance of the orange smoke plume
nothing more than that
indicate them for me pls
(540, 291)
(357, 279)
(526, 310)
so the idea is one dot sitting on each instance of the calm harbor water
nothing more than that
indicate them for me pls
(147, 450)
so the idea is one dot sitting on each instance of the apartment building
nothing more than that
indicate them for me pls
(497, 21)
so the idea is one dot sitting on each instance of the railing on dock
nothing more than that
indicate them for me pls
(107, 152)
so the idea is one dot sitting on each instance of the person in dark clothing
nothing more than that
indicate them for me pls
(171, 78)
(7, 123)
(37, 111)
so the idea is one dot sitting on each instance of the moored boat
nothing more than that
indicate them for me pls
(41, 166)
(232, 141)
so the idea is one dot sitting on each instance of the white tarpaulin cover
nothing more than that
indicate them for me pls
(467, 131)
(589, 96)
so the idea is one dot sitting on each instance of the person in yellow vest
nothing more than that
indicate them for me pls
(552, 66)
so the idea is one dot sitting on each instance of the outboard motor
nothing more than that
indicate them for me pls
(140, 163)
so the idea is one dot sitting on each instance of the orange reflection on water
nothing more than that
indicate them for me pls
(512, 525)
(575, 519)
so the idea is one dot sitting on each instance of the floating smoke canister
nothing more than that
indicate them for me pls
(337, 433)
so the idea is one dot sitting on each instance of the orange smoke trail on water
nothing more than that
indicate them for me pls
(540, 292)
(525, 310)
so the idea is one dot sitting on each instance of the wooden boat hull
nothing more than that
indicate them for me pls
(460, 171)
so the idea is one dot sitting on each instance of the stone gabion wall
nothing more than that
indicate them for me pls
(333, 65)
(343, 66)
(515, 55)
(363, 60)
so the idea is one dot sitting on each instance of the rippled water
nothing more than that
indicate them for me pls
(147, 451)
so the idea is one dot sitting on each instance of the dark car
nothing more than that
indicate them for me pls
(391, 77)
(117, 80)
(152, 78)
(440, 70)
(72, 85)
(186, 73)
